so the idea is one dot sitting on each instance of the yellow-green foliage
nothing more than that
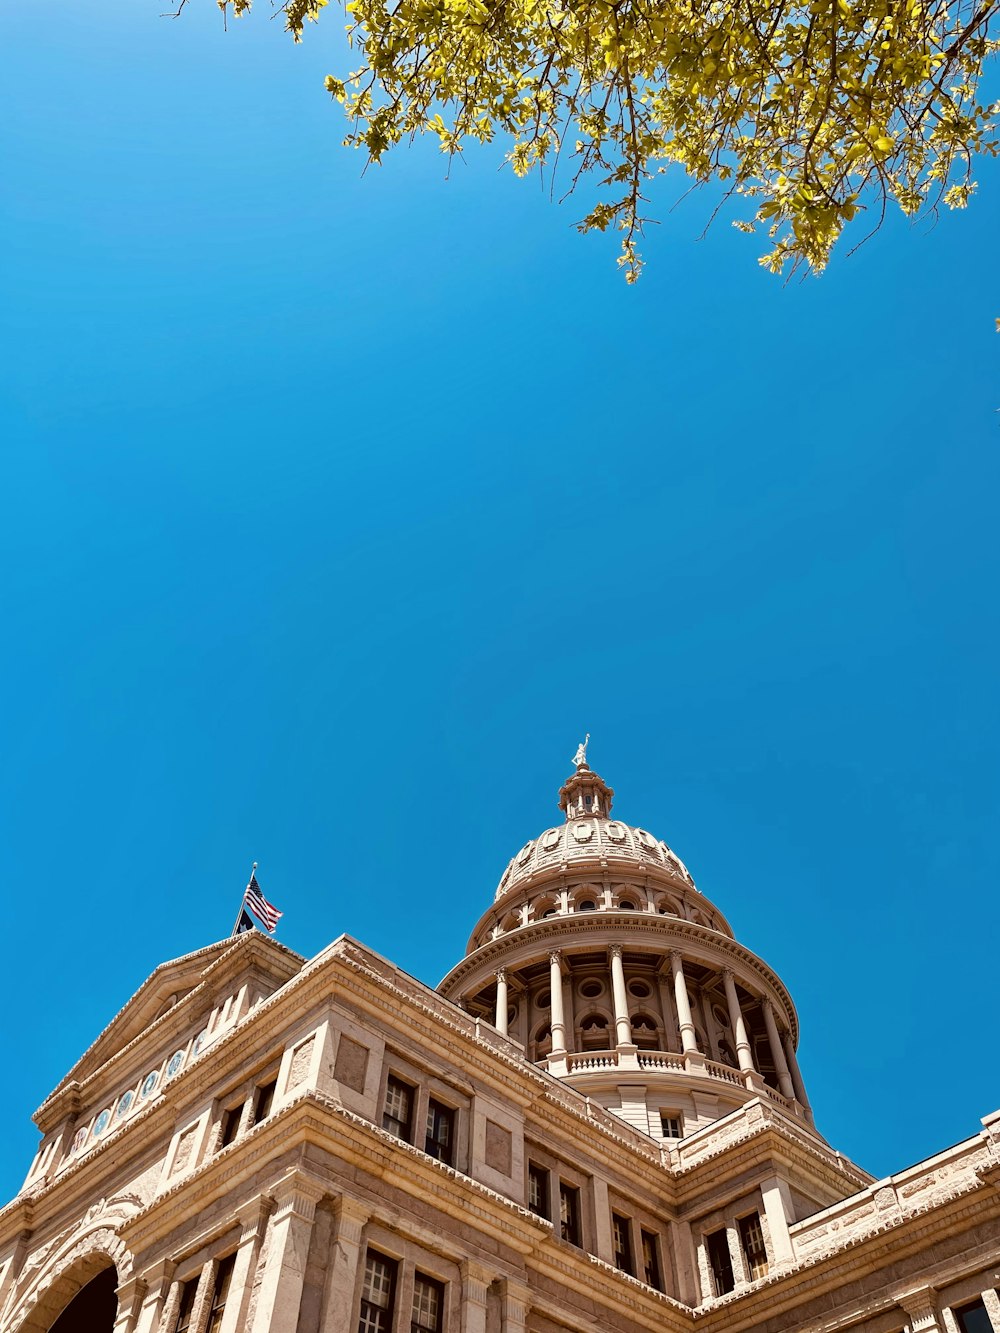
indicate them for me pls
(812, 111)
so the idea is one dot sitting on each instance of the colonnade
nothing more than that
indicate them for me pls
(780, 1042)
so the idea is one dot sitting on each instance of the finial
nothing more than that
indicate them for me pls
(580, 758)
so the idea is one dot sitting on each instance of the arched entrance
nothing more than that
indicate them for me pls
(81, 1299)
(93, 1309)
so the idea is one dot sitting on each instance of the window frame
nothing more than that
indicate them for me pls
(222, 1285)
(755, 1259)
(440, 1113)
(439, 1288)
(542, 1176)
(621, 1243)
(570, 1228)
(392, 1082)
(652, 1268)
(384, 1315)
(717, 1245)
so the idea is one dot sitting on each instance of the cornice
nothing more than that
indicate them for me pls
(240, 956)
(855, 1257)
(663, 932)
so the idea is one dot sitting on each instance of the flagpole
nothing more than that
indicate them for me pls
(243, 901)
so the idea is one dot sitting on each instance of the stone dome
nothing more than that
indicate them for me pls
(591, 838)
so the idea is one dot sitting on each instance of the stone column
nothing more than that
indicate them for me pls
(252, 1218)
(130, 1298)
(295, 1199)
(793, 1067)
(475, 1282)
(345, 1258)
(557, 1020)
(992, 1302)
(501, 1023)
(515, 1300)
(623, 1023)
(157, 1283)
(671, 1032)
(743, 1052)
(779, 1213)
(778, 1054)
(689, 1040)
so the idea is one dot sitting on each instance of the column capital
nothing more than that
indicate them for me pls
(555, 957)
(475, 1281)
(130, 1296)
(727, 973)
(676, 957)
(614, 951)
(350, 1217)
(159, 1275)
(766, 1005)
(298, 1193)
(252, 1215)
(516, 1301)
(501, 975)
(920, 1304)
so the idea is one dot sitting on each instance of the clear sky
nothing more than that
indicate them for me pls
(337, 509)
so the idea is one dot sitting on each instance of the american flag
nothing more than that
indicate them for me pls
(266, 913)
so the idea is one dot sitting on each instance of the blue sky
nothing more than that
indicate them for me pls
(336, 509)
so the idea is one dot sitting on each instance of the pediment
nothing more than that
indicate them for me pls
(166, 988)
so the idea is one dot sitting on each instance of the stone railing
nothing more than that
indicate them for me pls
(660, 1060)
(724, 1072)
(592, 1060)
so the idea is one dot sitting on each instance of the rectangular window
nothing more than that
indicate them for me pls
(397, 1113)
(230, 1124)
(651, 1261)
(720, 1261)
(377, 1294)
(440, 1132)
(220, 1292)
(185, 1307)
(264, 1100)
(621, 1231)
(428, 1305)
(538, 1190)
(670, 1125)
(974, 1318)
(754, 1251)
(569, 1213)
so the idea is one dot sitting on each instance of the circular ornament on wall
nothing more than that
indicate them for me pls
(79, 1139)
(174, 1063)
(124, 1102)
(149, 1083)
(200, 1042)
(591, 988)
(101, 1123)
(639, 989)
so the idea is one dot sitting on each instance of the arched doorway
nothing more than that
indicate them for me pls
(93, 1309)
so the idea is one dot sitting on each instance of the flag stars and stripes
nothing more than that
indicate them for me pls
(266, 913)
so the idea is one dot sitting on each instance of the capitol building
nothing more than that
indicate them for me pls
(595, 1123)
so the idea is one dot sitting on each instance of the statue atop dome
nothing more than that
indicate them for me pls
(580, 758)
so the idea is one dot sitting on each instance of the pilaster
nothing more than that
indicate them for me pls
(290, 1227)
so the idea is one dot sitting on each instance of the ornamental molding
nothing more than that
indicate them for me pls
(96, 1233)
(713, 949)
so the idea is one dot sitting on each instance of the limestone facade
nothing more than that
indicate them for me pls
(596, 1123)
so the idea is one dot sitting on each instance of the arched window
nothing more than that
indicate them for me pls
(594, 1033)
(645, 1032)
(541, 1046)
